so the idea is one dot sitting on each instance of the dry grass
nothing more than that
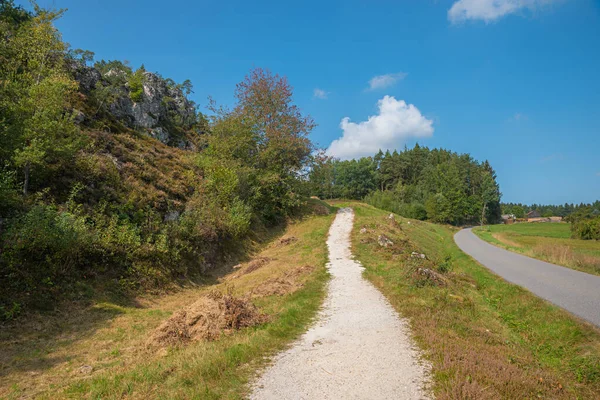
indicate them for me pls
(546, 241)
(102, 351)
(209, 317)
(485, 338)
(139, 170)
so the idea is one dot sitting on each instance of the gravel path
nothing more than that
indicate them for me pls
(572, 290)
(358, 349)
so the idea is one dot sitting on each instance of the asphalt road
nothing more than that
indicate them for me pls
(572, 290)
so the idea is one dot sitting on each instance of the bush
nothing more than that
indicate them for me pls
(586, 229)
(42, 247)
(136, 85)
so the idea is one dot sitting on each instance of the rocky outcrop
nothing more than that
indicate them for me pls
(87, 77)
(163, 111)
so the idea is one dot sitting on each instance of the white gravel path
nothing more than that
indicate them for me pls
(359, 348)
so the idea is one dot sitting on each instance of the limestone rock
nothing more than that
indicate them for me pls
(414, 254)
(86, 369)
(87, 77)
(384, 241)
(163, 112)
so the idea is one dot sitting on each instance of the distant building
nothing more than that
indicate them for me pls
(533, 214)
(508, 219)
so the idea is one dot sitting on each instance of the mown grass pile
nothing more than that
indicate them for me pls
(485, 338)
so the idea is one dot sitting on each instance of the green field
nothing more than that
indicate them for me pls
(552, 230)
(485, 338)
(546, 241)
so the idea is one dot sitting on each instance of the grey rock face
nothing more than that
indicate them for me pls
(87, 77)
(162, 106)
(160, 134)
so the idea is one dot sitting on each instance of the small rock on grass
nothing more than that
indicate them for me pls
(86, 369)
(384, 241)
(414, 254)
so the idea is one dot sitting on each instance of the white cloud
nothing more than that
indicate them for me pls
(396, 122)
(320, 94)
(490, 10)
(385, 81)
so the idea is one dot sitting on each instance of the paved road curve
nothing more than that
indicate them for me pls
(572, 290)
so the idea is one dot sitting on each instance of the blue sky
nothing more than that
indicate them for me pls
(514, 82)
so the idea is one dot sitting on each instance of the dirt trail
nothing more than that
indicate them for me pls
(358, 349)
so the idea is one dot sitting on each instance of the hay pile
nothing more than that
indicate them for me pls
(255, 264)
(282, 285)
(206, 319)
(287, 240)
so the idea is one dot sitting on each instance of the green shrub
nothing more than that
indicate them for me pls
(42, 247)
(586, 228)
(136, 85)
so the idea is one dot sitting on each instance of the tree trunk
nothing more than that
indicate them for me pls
(26, 182)
(483, 214)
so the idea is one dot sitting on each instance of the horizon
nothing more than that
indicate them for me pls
(516, 86)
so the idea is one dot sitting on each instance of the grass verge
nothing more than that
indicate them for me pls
(547, 242)
(485, 338)
(102, 351)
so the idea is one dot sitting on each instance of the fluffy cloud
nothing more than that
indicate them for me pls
(490, 10)
(396, 122)
(320, 94)
(385, 81)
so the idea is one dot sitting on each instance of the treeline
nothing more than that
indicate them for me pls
(421, 183)
(92, 197)
(520, 210)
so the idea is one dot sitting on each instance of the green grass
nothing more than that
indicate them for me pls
(551, 230)
(546, 241)
(485, 338)
(45, 363)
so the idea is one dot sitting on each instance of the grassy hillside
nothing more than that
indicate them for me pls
(485, 338)
(106, 350)
(111, 181)
(548, 242)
